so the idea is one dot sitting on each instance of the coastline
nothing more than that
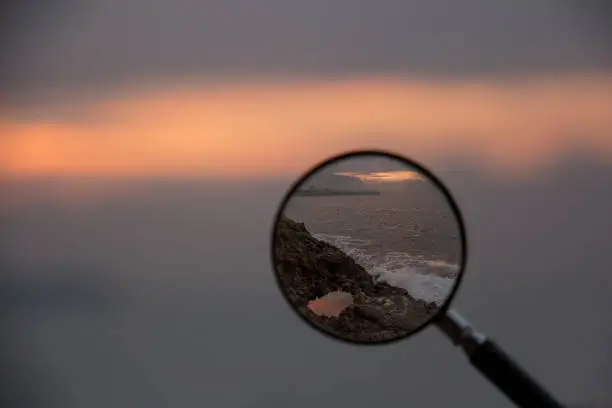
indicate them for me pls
(308, 269)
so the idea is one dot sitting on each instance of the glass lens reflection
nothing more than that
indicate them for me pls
(368, 248)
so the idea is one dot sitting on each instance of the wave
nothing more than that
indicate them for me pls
(427, 279)
(349, 245)
(418, 283)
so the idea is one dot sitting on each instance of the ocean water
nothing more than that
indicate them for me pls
(407, 241)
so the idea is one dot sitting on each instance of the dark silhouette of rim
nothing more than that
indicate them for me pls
(425, 172)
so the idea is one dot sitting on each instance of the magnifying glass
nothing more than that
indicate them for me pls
(370, 247)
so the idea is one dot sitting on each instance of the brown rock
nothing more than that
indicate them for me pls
(308, 268)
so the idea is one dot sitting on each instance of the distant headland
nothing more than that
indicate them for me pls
(324, 192)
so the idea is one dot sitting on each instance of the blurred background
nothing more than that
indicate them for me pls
(145, 146)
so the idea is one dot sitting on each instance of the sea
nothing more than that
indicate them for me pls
(406, 241)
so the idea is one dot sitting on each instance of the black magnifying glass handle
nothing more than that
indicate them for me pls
(496, 365)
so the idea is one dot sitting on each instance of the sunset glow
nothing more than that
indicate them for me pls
(263, 130)
(385, 177)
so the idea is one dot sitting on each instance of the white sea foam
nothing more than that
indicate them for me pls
(442, 265)
(431, 280)
(417, 281)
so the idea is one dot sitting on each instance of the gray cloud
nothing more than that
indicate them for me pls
(100, 44)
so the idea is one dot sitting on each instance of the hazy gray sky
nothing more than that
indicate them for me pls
(96, 43)
(367, 164)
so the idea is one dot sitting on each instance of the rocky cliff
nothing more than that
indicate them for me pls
(308, 268)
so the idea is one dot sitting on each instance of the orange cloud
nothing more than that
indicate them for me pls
(261, 130)
(386, 176)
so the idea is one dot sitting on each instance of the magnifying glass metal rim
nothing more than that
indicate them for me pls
(441, 312)
(483, 353)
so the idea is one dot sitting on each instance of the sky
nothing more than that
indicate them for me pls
(225, 90)
(371, 168)
(387, 177)
(95, 44)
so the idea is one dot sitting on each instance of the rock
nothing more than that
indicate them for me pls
(395, 311)
(308, 268)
